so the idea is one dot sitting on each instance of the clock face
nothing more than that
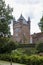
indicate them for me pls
(17, 30)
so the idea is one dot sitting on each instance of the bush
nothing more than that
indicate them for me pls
(28, 60)
(3, 43)
(7, 45)
(39, 47)
(35, 60)
(5, 57)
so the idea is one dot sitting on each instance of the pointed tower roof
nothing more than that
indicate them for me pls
(14, 19)
(28, 18)
(21, 18)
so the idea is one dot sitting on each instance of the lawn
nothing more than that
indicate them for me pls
(8, 63)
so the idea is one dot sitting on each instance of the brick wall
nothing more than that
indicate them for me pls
(21, 32)
(37, 37)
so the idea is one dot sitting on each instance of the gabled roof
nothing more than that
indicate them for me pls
(23, 19)
(38, 35)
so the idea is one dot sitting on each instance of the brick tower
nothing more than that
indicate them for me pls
(21, 30)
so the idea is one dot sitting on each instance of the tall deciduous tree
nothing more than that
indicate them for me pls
(41, 24)
(5, 18)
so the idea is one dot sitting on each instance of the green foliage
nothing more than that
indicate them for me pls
(3, 43)
(5, 18)
(26, 56)
(25, 51)
(6, 45)
(26, 45)
(41, 24)
(24, 59)
(5, 57)
(9, 47)
(39, 47)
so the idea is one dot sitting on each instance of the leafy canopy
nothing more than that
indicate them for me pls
(41, 24)
(5, 18)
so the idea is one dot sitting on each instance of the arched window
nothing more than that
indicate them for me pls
(17, 30)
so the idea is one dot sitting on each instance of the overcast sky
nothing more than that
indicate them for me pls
(31, 8)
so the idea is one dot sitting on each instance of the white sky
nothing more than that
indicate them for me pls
(31, 8)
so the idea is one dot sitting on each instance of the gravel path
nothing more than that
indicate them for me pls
(8, 63)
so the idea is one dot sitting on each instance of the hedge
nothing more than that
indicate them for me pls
(28, 60)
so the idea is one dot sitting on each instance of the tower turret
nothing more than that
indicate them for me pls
(28, 20)
(14, 20)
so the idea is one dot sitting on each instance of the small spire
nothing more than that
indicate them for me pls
(14, 19)
(28, 18)
(21, 17)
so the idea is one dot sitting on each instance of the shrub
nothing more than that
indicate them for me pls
(7, 45)
(39, 47)
(28, 60)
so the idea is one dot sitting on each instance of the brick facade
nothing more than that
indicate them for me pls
(21, 30)
(37, 37)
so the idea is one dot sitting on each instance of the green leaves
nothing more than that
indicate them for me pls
(41, 24)
(40, 47)
(5, 17)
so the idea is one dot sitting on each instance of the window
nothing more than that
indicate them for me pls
(24, 34)
(16, 35)
(30, 39)
(17, 29)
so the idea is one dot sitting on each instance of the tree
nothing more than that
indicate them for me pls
(41, 24)
(9, 46)
(6, 45)
(3, 44)
(5, 18)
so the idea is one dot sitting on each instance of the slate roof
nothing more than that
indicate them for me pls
(21, 19)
